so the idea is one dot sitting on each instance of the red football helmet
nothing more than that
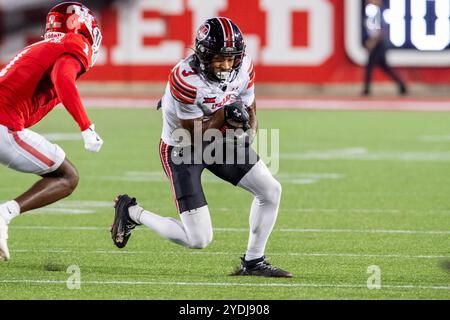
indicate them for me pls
(74, 17)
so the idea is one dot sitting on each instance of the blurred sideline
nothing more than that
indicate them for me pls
(286, 96)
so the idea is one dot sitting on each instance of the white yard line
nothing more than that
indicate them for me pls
(78, 228)
(435, 138)
(293, 254)
(63, 136)
(73, 207)
(227, 284)
(291, 178)
(362, 154)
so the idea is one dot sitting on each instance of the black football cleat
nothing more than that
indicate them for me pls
(122, 224)
(260, 267)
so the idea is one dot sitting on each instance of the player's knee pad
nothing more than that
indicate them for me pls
(197, 223)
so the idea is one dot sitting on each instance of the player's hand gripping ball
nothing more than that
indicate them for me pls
(236, 115)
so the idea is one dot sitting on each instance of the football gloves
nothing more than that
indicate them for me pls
(236, 115)
(92, 141)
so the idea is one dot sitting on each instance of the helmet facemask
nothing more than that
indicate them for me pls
(211, 41)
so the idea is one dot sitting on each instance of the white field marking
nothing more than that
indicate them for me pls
(363, 154)
(73, 207)
(357, 210)
(312, 210)
(290, 178)
(307, 178)
(335, 210)
(228, 284)
(89, 206)
(341, 231)
(61, 136)
(431, 138)
(78, 228)
(294, 254)
(295, 104)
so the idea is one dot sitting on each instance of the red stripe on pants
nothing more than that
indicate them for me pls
(164, 155)
(31, 150)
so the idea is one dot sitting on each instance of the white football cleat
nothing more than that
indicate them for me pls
(4, 252)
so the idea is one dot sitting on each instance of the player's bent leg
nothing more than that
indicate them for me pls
(198, 227)
(52, 187)
(8, 211)
(29, 152)
(264, 210)
(4, 251)
(193, 231)
(263, 214)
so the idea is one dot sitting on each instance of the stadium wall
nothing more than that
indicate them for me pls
(290, 41)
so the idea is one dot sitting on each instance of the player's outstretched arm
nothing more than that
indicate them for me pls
(64, 73)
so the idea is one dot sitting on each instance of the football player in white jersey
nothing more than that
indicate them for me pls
(209, 90)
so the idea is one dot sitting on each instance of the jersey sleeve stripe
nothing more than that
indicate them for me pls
(181, 98)
(180, 89)
(187, 85)
(251, 75)
(179, 95)
(176, 86)
(250, 83)
(250, 68)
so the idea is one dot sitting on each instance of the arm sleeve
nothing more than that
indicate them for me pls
(63, 75)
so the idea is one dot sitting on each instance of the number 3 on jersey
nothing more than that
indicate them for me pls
(188, 73)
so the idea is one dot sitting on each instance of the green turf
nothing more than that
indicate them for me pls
(329, 230)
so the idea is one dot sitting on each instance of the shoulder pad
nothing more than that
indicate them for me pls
(75, 45)
(181, 88)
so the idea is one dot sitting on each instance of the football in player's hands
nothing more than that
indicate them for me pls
(236, 115)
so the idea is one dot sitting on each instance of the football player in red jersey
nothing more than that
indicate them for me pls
(37, 79)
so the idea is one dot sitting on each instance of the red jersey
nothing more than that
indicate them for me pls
(41, 76)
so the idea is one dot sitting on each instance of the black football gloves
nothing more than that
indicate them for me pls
(236, 115)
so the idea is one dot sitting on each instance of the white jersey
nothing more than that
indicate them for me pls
(190, 95)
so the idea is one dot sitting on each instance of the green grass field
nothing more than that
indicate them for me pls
(360, 189)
